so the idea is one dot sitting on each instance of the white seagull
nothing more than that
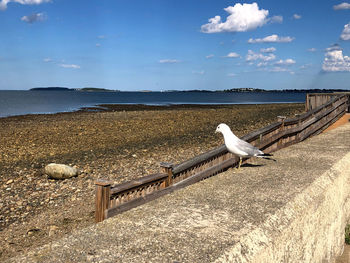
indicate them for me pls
(239, 147)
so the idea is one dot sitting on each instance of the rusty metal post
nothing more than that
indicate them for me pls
(102, 199)
(167, 168)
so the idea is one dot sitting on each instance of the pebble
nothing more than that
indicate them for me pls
(33, 231)
(9, 181)
(53, 230)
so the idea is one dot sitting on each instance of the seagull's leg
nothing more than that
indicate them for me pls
(240, 162)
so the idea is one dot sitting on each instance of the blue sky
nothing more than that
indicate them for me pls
(175, 44)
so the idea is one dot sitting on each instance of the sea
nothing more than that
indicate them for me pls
(22, 102)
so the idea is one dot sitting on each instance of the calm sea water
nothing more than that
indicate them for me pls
(34, 102)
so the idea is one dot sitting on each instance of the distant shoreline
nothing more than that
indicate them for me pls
(148, 107)
(143, 107)
(240, 90)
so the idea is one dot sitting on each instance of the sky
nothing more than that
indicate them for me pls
(174, 44)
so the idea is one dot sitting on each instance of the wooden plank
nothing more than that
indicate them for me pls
(316, 110)
(307, 102)
(292, 131)
(120, 188)
(186, 182)
(263, 131)
(207, 172)
(167, 168)
(102, 199)
(199, 159)
(337, 100)
(137, 202)
(322, 124)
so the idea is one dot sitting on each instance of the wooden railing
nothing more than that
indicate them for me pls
(112, 200)
(314, 100)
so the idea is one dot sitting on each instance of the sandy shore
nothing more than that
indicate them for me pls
(121, 143)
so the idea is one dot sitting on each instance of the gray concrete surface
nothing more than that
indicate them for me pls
(291, 210)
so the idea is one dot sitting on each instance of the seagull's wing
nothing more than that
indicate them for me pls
(249, 149)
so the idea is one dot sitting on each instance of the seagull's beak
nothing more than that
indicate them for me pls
(216, 131)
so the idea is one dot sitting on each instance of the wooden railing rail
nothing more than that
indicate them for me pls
(266, 136)
(111, 200)
(314, 100)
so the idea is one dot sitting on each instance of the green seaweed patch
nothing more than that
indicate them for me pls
(347, 234)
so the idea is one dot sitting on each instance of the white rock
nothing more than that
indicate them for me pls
(60, 171)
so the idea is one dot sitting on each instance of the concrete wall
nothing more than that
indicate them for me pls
(310, 228)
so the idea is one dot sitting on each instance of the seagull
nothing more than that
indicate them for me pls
(239, 147)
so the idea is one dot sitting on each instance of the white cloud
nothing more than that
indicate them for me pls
(333, 47)
(39, 17)
(312, 49)
(275, 69)
(278, 69)
(268, 50)
(286, 62)
(198, 72)
(74, 66)
(252, 56)
(296, 16)
(3, 3)
(345, 35)
(262, 64)
(97, 44)
(342, 6)
(101, 37)
(276, 19)
(242, 17)
(306, 66)
(271, 39)
(169, 61)
(209, 56)
(47, 60)
(231, 75)
(232, 55)
(266, 62)
(335, 61)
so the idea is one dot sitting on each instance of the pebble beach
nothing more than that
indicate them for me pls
(118, 143)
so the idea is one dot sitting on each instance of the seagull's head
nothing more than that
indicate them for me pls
(222, 128)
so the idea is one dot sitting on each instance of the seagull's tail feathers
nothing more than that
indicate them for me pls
(266, 156)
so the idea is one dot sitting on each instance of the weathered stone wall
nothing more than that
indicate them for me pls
(310, 228)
